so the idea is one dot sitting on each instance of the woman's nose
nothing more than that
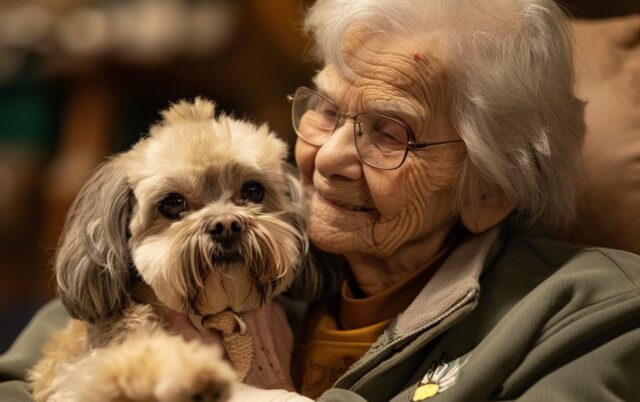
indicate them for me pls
(338, 156)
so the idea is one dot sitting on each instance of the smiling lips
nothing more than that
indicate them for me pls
(355, 208)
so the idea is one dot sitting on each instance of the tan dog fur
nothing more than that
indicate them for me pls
(119, 239)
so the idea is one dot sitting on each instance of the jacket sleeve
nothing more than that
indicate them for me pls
(608, 372)
(25, 352)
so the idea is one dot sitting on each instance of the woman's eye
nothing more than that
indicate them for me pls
(252, 191)
(389, 136)
(327, 110)
(172, 205)
(329, 114)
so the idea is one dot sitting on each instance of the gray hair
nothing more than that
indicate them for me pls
(512, 99)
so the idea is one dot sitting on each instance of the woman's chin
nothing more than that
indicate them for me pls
(336, 229)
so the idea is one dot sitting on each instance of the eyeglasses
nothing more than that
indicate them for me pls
(381, 141)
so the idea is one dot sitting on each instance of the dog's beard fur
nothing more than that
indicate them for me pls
(192, 273)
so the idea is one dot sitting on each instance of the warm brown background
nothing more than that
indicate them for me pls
(61, 113)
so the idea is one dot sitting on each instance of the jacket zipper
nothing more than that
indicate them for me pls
(376, 358)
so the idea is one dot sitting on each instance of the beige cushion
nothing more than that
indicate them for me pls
(608, 71)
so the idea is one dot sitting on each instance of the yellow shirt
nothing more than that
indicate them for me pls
(339, 334)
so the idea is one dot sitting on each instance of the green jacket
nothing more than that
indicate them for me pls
(527, 319)
(521, 318)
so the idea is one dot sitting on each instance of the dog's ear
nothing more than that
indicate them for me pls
(319, 274)
(93, 261)
(200, 109)
(298, 204)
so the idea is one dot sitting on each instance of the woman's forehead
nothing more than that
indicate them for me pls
(382, 100)
(413, 94)
(393, 65)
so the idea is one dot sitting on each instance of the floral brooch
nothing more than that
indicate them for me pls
(439, 378)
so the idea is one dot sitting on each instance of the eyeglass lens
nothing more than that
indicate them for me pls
(380, 141)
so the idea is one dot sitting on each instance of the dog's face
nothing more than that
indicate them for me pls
(203, 209)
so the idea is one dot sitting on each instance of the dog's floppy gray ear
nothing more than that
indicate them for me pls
(93, 262)
(320, 274)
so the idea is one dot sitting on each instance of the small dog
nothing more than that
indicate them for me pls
(201, 216)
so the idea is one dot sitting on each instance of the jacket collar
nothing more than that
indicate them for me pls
(455, 281)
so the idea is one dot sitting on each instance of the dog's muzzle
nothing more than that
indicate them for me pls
(226, 230)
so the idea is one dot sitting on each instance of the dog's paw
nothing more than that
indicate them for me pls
(148, 366)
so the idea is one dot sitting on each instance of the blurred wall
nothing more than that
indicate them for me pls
(80, 79)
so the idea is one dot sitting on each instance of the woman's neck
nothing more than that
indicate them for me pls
(373, 274)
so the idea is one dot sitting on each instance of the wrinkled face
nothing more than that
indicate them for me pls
(213, 226)
(359, 209)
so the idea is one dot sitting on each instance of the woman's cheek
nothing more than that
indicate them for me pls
(305, 159)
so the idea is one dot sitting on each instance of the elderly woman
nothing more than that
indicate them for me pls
(437, 137)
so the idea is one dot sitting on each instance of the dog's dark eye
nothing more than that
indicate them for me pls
(172, 205)
(252, 191)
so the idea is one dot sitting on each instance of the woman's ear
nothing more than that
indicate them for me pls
(485, 209)
(92, 262)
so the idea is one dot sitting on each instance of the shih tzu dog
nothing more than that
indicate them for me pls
(200, 218)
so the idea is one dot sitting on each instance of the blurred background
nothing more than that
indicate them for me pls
(81, 79)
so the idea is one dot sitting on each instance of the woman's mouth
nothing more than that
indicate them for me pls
(344, 205)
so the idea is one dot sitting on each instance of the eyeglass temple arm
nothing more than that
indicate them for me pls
(419, 145)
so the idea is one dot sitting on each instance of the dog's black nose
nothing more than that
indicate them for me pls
(226, 229)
